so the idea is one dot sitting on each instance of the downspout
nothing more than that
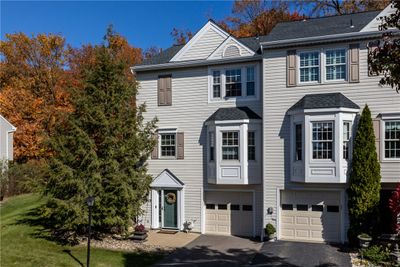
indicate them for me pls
(263, 145)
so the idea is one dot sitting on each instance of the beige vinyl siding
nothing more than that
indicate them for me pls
(278, 99)
(187, 114)
(203, 47)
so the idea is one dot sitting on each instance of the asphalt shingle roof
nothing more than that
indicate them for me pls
(289, 30)
(330, 100)
(235, 113)
(321, 26)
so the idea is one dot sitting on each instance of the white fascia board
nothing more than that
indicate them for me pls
(390, 115)
(326, 39)
(197, 36)
(370, 26)
(223, 46)
(195, 63)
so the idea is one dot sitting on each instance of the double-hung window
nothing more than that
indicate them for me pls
(250, 82)
(322, 140)
(168, 145)
(309, 66)
(346, 139)
(216, 89)
(230, 145)
(335, 65)
(392, 139)
(251, 146)
(233, 82)
(298, 143)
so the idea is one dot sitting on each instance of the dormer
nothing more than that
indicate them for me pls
(234, 146)
(321, 133)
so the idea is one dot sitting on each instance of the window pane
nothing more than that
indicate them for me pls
(235, 207)
(222, 206)
(322, 140)
(230, 145)
(309, 66)
(287, 207)
(251, 146)
(332, 208)
(167, 145)
(336, 64)
(250, 85)
(392, 139)
(317, 208)
(216, 83)
(247, 207)
(346, 139)
(210, 206)
(233, 82)
(303, 207)
(298, 142)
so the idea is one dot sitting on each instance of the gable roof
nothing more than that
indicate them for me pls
(167, 179)
(330, 100)
(10, 127)
(235, 113)
(321, 26)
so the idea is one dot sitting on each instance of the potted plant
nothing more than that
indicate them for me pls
(140, 232)
(364, 239)
(270, 232)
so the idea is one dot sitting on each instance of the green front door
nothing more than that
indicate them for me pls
(170, 209)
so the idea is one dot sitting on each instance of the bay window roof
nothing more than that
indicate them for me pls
(235, 113)
(324, 101)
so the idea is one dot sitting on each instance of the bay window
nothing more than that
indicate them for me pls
(251, 146)
(392, 139)
(322, 140)
(230, 145)
(309, 66)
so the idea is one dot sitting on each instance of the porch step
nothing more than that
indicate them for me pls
(165, 231)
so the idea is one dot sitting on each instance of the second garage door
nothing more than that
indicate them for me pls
(229, 213)
(310, 216)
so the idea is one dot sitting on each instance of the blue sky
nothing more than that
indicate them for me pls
(143, 23)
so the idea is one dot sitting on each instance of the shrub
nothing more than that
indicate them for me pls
(270, 229)
(376, 254)
(365, 177)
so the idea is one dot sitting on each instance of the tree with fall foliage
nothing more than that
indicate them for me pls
(385, 58)
(32, 89)
(100, 149)
(340, 7)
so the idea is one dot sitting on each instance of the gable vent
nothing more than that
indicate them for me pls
(232, 51)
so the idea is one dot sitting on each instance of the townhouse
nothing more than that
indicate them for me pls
(259, 130)
(6, 139)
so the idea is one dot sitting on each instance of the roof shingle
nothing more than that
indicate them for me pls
(330, 100)
(235, 113)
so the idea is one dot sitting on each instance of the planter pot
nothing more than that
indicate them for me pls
(364, 241)
(141, 236)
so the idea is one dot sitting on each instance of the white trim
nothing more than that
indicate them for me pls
(370, 26)
(12, 128)
(386, 118)
(223, 47)
(323, 110)
(244, 191)
(200, 33)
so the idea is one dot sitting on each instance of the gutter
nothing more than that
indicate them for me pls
(326, 39)
(193, 63)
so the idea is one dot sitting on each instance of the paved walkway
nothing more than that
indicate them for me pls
(177, 240)
(298, 254)
(209, 250)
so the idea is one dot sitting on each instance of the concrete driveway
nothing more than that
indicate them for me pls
(210, 250)
(298, 254)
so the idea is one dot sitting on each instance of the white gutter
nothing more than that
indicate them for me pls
(326, 39)
(193, 63)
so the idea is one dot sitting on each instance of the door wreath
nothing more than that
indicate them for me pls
(170, 198)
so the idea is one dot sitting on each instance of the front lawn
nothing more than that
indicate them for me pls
(23, 244)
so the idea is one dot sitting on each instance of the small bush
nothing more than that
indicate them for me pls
(270, 229)
(376, 254)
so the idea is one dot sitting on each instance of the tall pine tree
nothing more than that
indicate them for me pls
(365, 180)
(100, 149)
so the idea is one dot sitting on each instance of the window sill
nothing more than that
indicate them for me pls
(233, 99)
(166, 158)
(322, 83)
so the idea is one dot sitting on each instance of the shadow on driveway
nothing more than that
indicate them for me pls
(298, 254)
(208, 250)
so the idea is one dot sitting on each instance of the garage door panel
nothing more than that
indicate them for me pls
(310, 223)
(224, 220)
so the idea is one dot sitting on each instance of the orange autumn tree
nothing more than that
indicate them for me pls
(32, 89)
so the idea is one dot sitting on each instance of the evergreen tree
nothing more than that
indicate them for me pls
(365, 178)
(99, 149)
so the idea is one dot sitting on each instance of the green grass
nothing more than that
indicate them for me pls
(23, 244)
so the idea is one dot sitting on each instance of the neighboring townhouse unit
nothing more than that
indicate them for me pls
(259, 130)
(6, 139)
(316, 83)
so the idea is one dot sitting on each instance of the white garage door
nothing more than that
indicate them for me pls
(229, 213)
(310, 216)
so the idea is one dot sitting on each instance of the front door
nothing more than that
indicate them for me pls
(170, 209)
